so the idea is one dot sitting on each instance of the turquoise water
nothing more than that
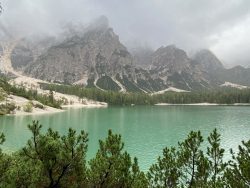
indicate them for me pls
(145, 130)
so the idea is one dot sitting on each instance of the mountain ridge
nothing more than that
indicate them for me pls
(97, 58)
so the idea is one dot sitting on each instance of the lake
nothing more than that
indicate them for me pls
(145, 130)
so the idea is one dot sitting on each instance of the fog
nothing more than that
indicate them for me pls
(222, 26)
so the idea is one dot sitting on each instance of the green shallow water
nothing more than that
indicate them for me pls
(146, 130)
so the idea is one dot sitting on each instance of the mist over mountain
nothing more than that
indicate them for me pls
(93, 56)
(74, 43)
(191, 25)
(142, 56)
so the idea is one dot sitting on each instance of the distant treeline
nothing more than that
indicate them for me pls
(52, 160)
(220, 96)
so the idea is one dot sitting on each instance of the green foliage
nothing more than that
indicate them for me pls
(2, 94)
(4, 83)
(193, 162)
(38, 105)
(28, 107)
(4, 160)
(29, 94)
(238, 173)
(129, 85)
(220, 96)
(188, 166)
(61, 158)
(7, 108)
(33, 95)
(166, 172)
(112, 167)
(215, 155)
(107, 83)
(52, 160)
(22, 172)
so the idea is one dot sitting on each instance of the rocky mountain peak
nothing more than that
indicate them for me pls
(94, 57)
(170, 57)
(96, 53)
(207, 60)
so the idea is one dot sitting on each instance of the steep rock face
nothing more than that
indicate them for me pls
(207, 61)
(175, 69)
(21, 57)
(27, 51)
(209, 66)
(95, 58)
(92, 56)
(98, 59)
(237, 75)
(170, 58)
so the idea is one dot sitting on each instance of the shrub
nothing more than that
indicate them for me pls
(3, 94)
(28, 107)
(38, 105)
(7, 108)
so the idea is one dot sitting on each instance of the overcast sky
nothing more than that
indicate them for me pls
(223, 26)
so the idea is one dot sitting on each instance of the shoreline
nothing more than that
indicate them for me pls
(21, 102)
(51, 110)
(76, 106)
(202, 104)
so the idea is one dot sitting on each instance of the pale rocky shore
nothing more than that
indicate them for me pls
(21, 102)
(69, 101)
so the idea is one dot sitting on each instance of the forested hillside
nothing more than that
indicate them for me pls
(220, 96)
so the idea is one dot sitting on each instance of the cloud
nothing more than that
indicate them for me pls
(220, 25)
(233, 44)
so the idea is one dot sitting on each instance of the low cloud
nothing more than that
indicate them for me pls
(222, 26)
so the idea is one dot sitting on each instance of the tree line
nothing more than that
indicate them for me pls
(220, 95)
(53, 160)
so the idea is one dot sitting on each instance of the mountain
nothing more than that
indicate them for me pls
(172, 65)
(237, 75)
(95, 57)
(207, 61)
(176, 69)
(27, 51)
(96, 54)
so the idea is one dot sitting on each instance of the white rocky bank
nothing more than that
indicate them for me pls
(70, 101)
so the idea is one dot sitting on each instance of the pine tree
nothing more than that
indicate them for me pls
(191, 158)
(166, 172)
(238, 172)
(60, 158)
(216, 154)
(112, 167)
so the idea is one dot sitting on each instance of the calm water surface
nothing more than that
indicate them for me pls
(146, 130)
